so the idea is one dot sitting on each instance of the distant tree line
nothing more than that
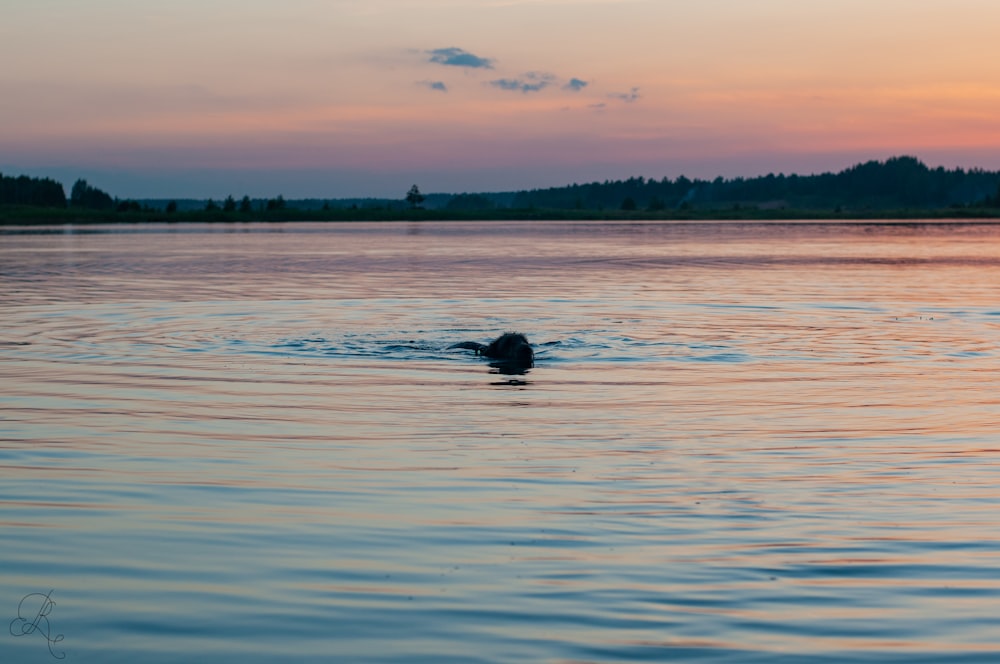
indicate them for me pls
(36, 192)
(899, 182)
(84, 196)
(245, 206)
(470, 202)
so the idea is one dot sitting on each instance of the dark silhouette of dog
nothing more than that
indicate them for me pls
(510, 347)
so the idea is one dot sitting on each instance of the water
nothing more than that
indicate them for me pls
(739, 443)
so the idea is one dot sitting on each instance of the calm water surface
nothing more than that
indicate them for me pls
(739, 443)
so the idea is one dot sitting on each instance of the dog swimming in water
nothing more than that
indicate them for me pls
(510, 347)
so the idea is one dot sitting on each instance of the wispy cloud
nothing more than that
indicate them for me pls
(435, 85)
(627, 97)
(457, 57)
(575, 85)
(530, 82)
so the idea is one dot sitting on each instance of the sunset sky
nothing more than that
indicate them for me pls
(339, 98)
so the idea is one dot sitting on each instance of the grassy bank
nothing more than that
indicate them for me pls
(23, 215)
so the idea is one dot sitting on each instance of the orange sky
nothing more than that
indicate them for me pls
(365, 97)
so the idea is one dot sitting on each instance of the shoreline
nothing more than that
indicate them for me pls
(27, 216)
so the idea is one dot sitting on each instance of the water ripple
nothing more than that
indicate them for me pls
(737, 443)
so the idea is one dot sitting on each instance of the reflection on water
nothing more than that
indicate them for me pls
(253, 443)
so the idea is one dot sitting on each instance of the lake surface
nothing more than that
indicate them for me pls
(739, 443)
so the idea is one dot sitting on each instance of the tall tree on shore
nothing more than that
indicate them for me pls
(414, 197)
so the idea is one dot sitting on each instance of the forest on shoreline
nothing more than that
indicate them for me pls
(898, 188)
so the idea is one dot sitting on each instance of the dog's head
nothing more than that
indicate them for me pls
(511, 347)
